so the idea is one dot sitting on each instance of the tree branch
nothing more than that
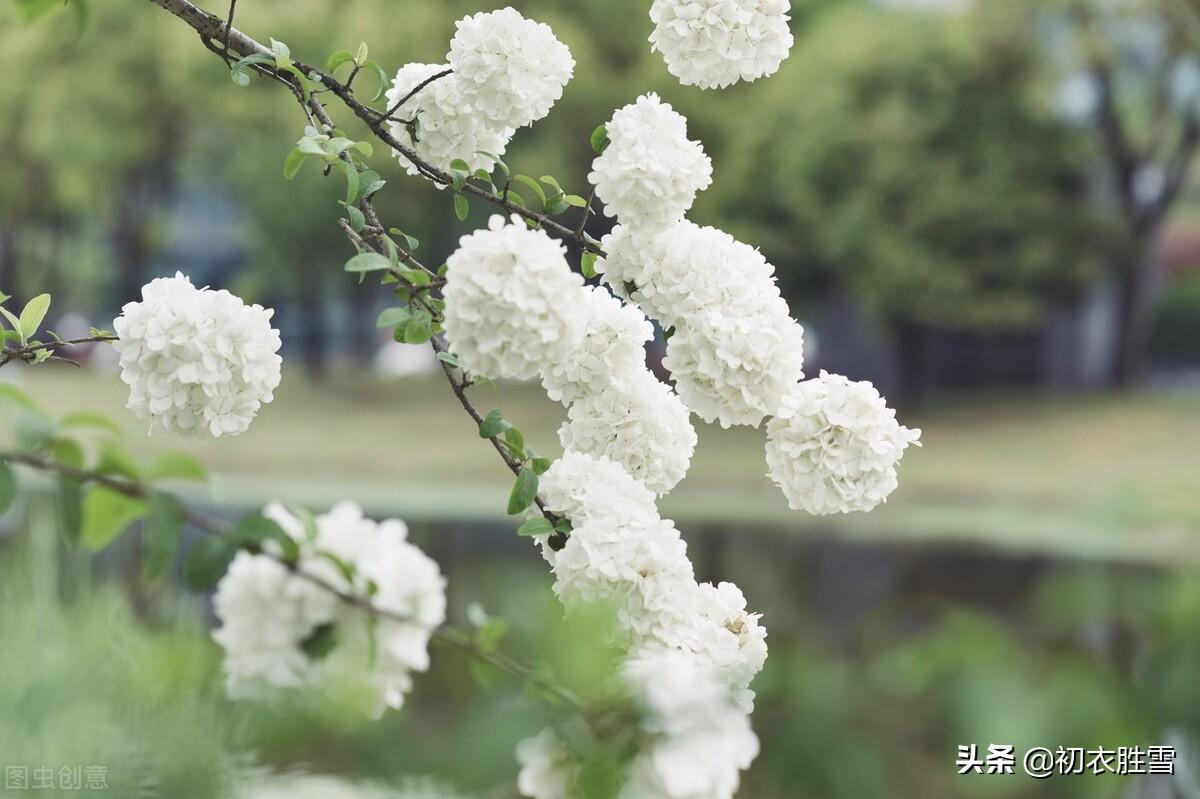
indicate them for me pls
(28, 352)
(447, 634)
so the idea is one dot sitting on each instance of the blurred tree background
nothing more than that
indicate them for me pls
(922, 165)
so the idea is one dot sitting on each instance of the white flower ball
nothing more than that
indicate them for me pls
(685, 269)
(445, 126)
(196, 359)
(547, 768)
(270, 615)
(650, 172)
(713, 43)
(582, 487)
(834, 444)
(511, 302)
(612, 348)
(639, 423)
(639, 566)
(698, 740)
(722, 634)
(510, 69)
(735, 368)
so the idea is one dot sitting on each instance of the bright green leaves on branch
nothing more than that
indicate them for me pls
(360, 62)
(599, 139)
(24, 325)
(528, 464)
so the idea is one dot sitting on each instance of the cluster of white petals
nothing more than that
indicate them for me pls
(640, 423)
(834, 445)
(612, 348)
(699, 739)
(735, 368)
(684, 269)
(195, 359)
(713, 43)
(271, 616)
(548, 770)
(507, 309)
(650, 172)
(503, 72)
(510, 70)
(445, 126)
(720, 633)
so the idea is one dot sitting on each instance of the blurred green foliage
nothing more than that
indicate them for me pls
(1175, 329)
(909, 159)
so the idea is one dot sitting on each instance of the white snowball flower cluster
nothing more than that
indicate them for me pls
(505, 72)
(506, 309)
(699, 739)
(713, 43)
(195, 359)
(445, 126)
(834, 445)
(508, 69)
(650, 172)
(613, 346)
(638, 422)
(277, 625)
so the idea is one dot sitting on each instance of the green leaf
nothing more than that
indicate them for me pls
(176, 466)
(448, 359)
(70, 508)
(67, 452)
(384, 81)
(91, 419)
(365, 148)
(357, 220)
(368, 262)
(538, 525)
(515, 441)
(15, 322)
(33, 314)
(493, 424)
(533, 185)
(460, 165)
(337, 59)
(254, 531)
(17, 396)
(283, 55)
(599, 139)
(576, 201)
(161, 534)
(33, 430)
(351, 174)
(360, 57)
(292, 163)
(524, 491)
(114, 461)
(540, 465)
(461, 207)
(8, 486)
(207, 562)
(106, 514)
(390, 317)
(587, 264)
(322, 641)
(550, 181)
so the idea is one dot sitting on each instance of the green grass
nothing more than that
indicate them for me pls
(1100, 476)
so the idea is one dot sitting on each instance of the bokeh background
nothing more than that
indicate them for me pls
(985, 208)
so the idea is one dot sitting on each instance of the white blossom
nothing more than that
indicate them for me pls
(722, 634)
(271, 617)
(639, 423)
(509, 69)
(735, 368)
(713, 43)
(444, 126)
(650, 172)
(685, 269)
(582, 487)
(612, 348)
(511, 301)
(699, 740)
(834, 444)
(547, 768)
(196, 359)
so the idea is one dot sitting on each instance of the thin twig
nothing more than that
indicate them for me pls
(388, 114)
(26, 352)
(455, 637)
